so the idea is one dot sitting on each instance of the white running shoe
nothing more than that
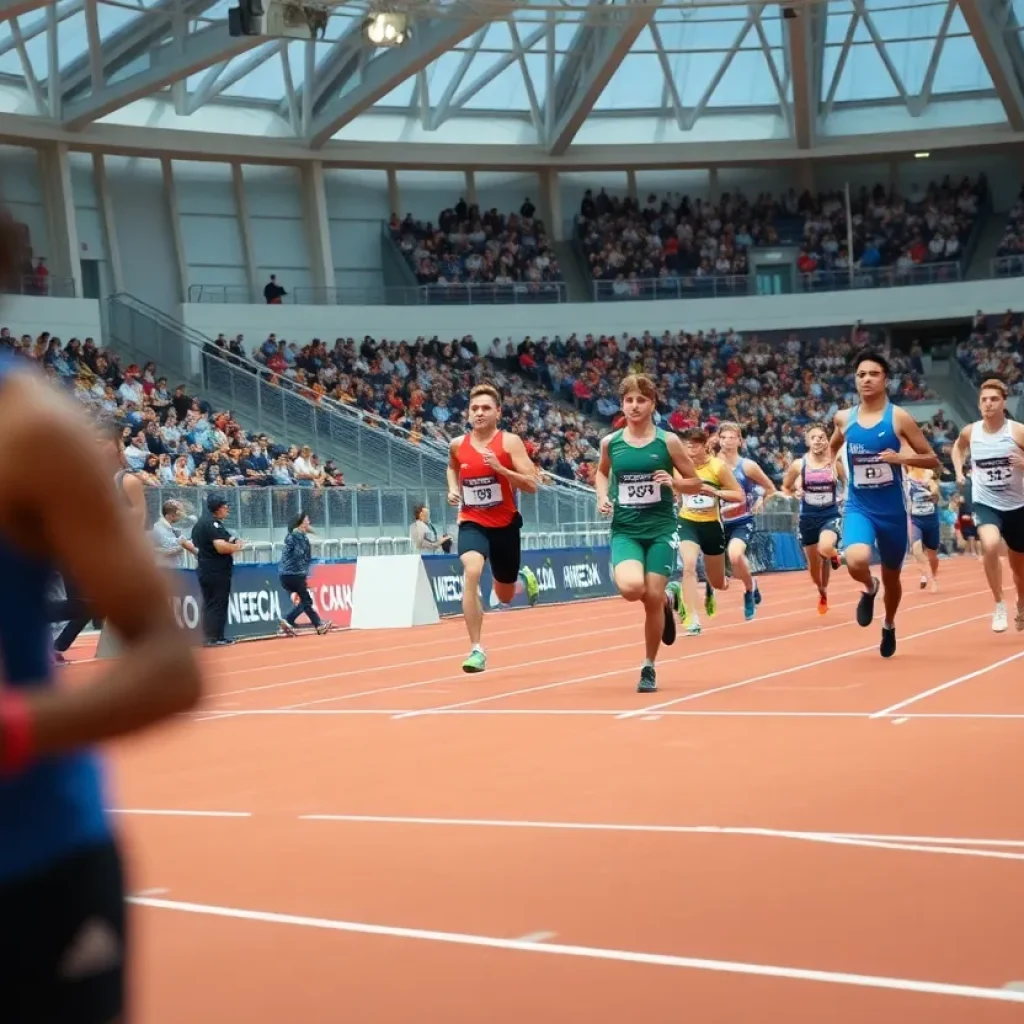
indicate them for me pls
(999, 618)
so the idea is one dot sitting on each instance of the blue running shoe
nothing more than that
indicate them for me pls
(749, 605)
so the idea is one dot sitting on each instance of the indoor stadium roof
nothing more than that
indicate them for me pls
(553, 76)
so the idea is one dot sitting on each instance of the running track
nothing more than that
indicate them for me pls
(791, 830)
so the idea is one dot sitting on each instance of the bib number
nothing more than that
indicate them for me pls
(819, 499)
(995, 473)
(922, 508)
(638, 489)
(870, 471)
(481, 492)
(699, 502)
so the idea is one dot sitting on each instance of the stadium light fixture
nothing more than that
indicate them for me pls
(921, 156)
(386, 29)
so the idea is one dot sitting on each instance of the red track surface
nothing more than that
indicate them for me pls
(886, 848)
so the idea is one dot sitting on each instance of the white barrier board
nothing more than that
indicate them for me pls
(392, 592)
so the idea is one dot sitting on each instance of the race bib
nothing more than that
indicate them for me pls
(699, 502)
(922, 508)
(994, 473)
(481, 492)
(637, 489)
(819, 499)
(871, 471)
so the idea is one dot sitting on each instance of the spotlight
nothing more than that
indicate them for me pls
(386, 29)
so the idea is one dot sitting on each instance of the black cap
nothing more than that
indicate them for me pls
(215, 502)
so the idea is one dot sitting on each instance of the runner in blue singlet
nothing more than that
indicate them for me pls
(61, 898)
(875, 515)
(738, 517)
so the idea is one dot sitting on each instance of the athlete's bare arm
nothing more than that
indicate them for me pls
(135, 492)
(791, 477)
(1017, 433)
(452, 472)
(961, 447)
(906, 427)
(838, 438)
(684, 476)
(602, 477)
(731, 491)
(77, 519)
(524, 476)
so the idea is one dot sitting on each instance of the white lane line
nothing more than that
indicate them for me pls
(537, 937)
(934, 988)
(945, 686)
(167, 813)
(151, 892)
(900, 721)
(794, 668)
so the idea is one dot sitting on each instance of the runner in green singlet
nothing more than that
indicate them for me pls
(635, 487)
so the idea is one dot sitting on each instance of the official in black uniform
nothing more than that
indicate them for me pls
(215, 553)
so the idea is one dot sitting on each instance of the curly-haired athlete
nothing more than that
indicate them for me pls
(62, 918)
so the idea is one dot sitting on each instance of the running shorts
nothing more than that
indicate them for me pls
(811, 529)
(656, 554)
(62, 942)
(926, 530)
(708, 536)
(500, 545)
(889, 534)
(742, 530)
(1009, 523)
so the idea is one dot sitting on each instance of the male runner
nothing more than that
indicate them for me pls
(485, 468)
(62, 917)
(637, 462)
(816, 479)
(700, 528)
(738, 516)
(997, 493)
(924, 495)
(874, 431)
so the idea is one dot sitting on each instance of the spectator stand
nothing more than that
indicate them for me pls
(1009, 259)
(993, 348)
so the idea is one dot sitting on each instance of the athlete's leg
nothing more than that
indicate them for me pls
(655, 612)
(737, 555)
(472, 609)
(689, 553)
(931, 540)
(991, 550)
(714, 569)
(1013, 537)
(815, 565)
(892, 537)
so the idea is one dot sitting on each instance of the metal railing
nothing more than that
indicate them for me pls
(882, 277)
(483, 294)
(51, 286)
(1007, 266)
(367, 444)
(711, 287)
(264, 514)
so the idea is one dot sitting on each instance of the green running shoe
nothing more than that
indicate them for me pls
(529, 579)
(693, 627)
(648, 683)
(476, 662)
(710, 601)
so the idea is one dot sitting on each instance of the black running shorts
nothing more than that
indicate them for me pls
(1009, 522)
(62, 942)
(500, 545)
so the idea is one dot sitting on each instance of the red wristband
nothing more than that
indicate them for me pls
(16, 739)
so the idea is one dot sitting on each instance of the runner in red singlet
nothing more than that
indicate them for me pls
(485, 469)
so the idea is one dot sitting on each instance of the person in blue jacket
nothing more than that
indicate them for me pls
(294, 572)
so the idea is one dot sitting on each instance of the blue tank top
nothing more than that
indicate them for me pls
(55, 807)
(874, 486)
(739, 511)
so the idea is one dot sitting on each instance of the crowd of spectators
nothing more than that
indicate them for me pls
(995, 348)
(1011, 248)
(677, 238)
(171, 438)
(468, 246)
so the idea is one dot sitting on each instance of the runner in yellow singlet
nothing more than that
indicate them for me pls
(700, 528)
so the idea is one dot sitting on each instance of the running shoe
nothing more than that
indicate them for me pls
(668, 631)
(529, 578)
(648, 681)
(476, 662)
(286, 628)
(757, 593)
(866, 604)
(325, 627)
(749, 604)
(924, 582)
(693, 627)
(710, 601)
(887, 648)
(822, 603)
(999, 618)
